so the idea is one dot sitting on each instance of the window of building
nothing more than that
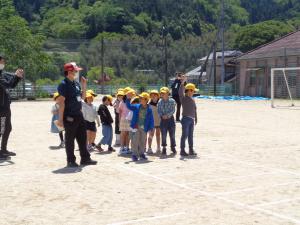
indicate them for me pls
(252, 78)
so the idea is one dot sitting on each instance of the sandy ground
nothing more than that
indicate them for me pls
(248, 172)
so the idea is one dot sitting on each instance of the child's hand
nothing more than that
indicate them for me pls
(60, 123)
(129, 95)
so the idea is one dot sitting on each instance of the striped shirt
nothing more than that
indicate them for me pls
(166, 108)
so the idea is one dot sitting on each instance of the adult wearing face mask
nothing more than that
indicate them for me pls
(70, 114)
(7, 81)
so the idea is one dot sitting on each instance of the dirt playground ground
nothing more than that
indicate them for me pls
(247, 173)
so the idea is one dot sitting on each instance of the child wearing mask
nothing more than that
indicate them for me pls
(154, 96)
(106, 121)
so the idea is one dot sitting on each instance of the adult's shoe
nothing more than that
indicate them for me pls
(88, 162)
(192, 153)
(72, 165)
(183, 153)
(8, 153)
(173, 150)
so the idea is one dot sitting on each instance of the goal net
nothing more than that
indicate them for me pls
(285, 87)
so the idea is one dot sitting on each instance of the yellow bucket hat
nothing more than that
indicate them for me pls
(110, 98)
(154, 92)
(127, 89)
(144, 95)
(165, 90)
(191, 86)
(120, 93)
(91, 92)
(55, 95)
(89, 95)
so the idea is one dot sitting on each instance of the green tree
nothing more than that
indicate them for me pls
(21, 47)
(252, 36)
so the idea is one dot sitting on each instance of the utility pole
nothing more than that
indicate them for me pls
(215, 69)
(166, 56)
(102, 65)
(223, 43)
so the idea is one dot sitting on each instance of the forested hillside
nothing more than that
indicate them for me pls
(134, 31)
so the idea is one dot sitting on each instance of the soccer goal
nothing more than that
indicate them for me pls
(285, 87)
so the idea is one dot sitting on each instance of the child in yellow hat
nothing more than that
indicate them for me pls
(125, 120)
(90, 115)
(154, 98)
(142, 122)
(54, 128)
(166, 109)
(120, 94)
(189, 116)
(106, 121)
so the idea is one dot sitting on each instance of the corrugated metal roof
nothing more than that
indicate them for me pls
(285, 46)
(227, 54)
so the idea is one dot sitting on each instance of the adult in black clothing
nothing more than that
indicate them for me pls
(7, 81)
(175, 94)
(70, 115)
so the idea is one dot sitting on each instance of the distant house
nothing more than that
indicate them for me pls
(230, 66)
(207, 74)
(255, 66)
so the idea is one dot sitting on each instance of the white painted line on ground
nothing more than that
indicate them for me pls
(146, 219)
(238, 161)
(232, 178)
(206, 194)
(256, 188)
(185, 172)
(277, 202)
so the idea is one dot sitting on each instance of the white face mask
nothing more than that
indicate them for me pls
(77, 76)
(2, 66)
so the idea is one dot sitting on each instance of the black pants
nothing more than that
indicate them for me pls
(5, 128)
(177, 100)
(75, 129)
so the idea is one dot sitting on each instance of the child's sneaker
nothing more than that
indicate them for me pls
(183, 153)
(192, 153)
(134, 158)
(173, 149)
(99, 148)
(111, 149)
(123, 151)
(127, 151)
(143, 157)
(62, 144)
(89, 148)
(150, 152)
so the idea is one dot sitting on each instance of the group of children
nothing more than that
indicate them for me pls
(138, 119)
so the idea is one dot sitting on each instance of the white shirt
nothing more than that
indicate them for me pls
(89, 112)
